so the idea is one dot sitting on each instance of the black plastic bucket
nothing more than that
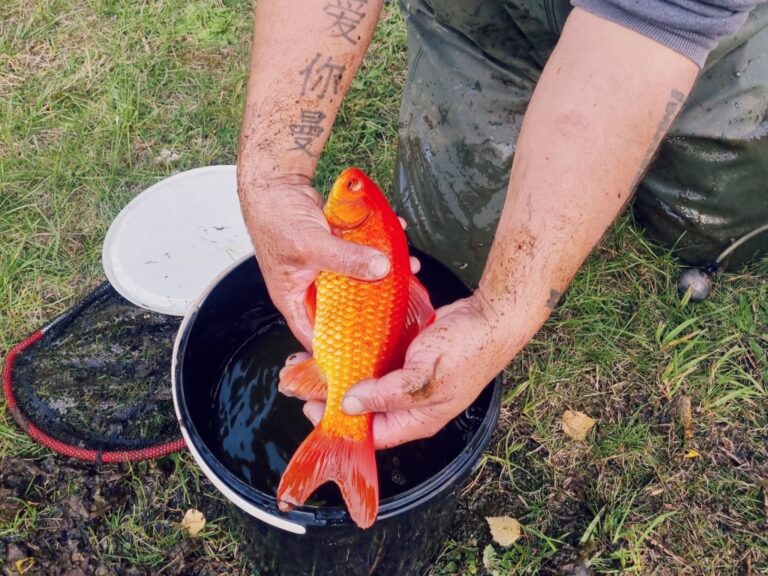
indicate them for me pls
(316, 540)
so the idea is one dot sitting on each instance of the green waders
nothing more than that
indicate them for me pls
(473, 65)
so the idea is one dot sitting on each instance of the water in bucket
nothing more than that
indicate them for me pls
(257, 429)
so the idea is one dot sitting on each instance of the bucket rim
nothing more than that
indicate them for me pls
(258, 504)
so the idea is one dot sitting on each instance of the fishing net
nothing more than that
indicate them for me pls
(94, 384)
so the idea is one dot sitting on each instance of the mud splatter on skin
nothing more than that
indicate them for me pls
(423, 389)
(478, 339)
(261, 138)
(498, 279)
(554, 298)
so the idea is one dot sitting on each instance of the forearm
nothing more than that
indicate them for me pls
(605, 99)
(303, 59)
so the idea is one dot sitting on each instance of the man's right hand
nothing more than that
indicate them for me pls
(303, 60)
(293, 242)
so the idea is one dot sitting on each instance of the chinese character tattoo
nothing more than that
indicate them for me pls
(319, 78)
(307, 130)
(346, 16)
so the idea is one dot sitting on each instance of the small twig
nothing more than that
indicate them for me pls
(659, 546)
(731, 456)
(179, 559)
(748, 565)
(471, 485)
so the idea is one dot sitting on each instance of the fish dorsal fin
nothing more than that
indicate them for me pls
(420, 314)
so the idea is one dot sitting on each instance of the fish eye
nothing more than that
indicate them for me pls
(354, 185)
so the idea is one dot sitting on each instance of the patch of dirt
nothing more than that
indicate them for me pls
(78, 518)
(494, 492)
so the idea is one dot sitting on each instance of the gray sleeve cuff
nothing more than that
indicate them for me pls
(688, 27)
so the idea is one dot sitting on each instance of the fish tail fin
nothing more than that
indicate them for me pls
(323, 457)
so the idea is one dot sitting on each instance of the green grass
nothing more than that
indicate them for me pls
(100, 99)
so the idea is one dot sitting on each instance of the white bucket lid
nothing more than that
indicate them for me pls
(169, 243)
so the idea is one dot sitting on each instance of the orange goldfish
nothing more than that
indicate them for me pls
(361, 330)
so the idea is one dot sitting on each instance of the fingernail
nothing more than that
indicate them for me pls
(378, 267)
(352, 406)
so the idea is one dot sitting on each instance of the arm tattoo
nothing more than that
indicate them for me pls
(320, 77)
(307, 130)
(346, 16)
(676, 99)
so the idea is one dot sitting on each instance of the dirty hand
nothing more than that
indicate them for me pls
(446, 368)
(293, 242)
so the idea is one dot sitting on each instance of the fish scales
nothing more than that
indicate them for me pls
(354, 325)
(361, 331)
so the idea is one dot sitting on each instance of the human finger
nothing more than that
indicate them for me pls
(395, 428)
(294, 311)
(314, 411)
(399, 390)
(349, 259)
(296, 358)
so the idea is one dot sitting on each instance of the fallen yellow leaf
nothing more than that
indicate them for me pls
(504, 529)
(193, 521)
(577, 424)
(24, 564)
(691, 454)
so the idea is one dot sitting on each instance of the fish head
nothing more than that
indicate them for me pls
(351, 201)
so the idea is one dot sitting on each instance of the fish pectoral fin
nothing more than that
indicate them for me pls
(322, 458)
(310, 301)
(304, 380)
(419, 315)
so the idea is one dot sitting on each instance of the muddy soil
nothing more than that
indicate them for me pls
(79, 519)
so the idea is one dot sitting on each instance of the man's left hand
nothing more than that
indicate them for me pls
(446, 367)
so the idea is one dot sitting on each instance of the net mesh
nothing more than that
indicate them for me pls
(100, 377)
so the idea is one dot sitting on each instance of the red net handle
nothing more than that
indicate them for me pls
(107, 456)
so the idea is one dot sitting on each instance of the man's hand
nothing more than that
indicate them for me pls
(301, 67)
(293, 242)
(446, 368)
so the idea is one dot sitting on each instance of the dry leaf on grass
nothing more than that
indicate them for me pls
(24, 565)
(577, 424)
(504, 529)
(691, 454)
(193, 521)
